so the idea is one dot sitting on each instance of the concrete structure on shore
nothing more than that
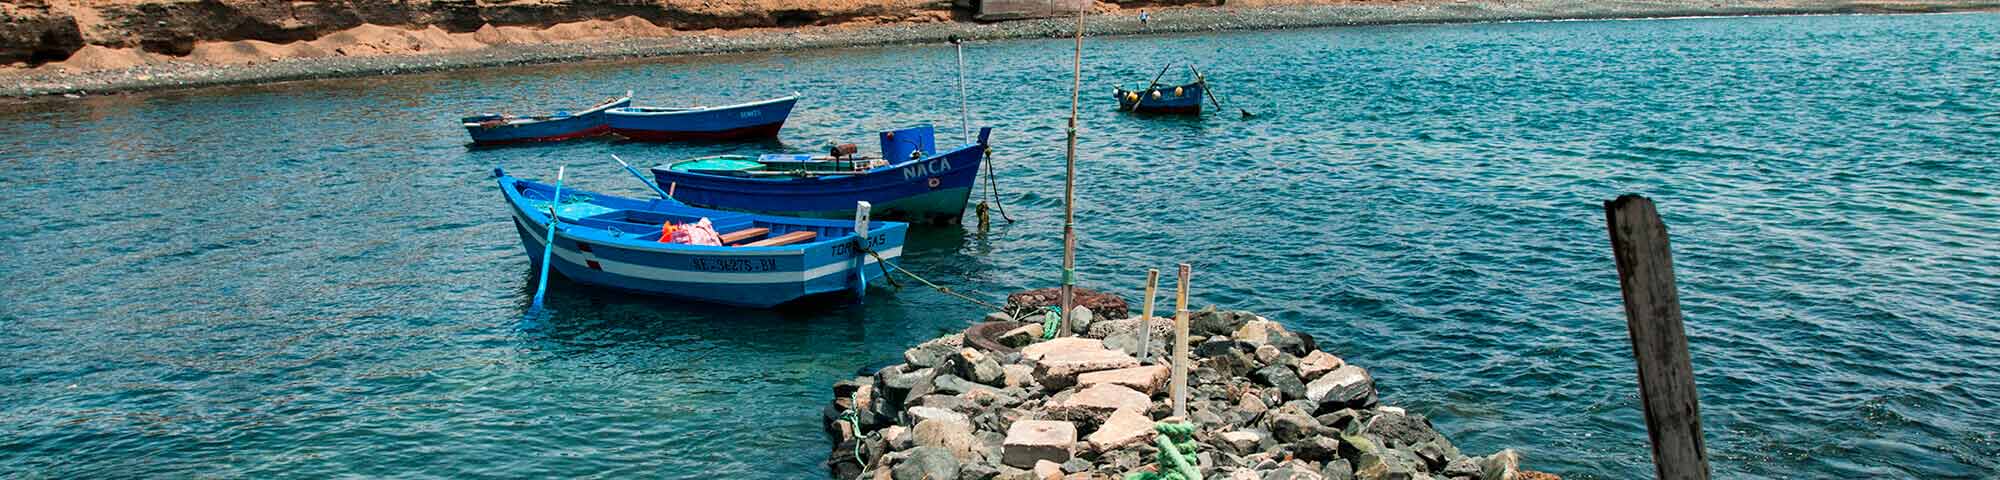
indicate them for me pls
(1267, 403)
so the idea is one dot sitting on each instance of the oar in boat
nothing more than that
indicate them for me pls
(642, 178)
(548, 247)
(1205, 88)
(1150, 85)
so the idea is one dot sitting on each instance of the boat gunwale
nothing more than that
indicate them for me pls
(819, 178)
(644, 111)
(531, 120)
(599, 236)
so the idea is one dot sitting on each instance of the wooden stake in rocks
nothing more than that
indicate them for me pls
(1068, 295)
(1146, 319)
(1659, 341)
(1180, 386)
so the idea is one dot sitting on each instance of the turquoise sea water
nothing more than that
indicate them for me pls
(318, 279)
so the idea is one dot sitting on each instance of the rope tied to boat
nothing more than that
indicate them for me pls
(940, 288)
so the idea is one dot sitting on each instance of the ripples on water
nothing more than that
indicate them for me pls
(318, 279)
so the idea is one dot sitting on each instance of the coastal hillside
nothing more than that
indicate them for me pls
(41, 31)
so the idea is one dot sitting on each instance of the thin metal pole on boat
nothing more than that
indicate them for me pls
(642, 178)
(1069, 178)
(964, 112)
(549, 242)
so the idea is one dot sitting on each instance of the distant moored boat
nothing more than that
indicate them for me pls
(760, 119)
(1163, 99)
(496, 129)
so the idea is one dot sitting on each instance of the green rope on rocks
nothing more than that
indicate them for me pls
(854, 422)
(1051, 322)
(1176, 457)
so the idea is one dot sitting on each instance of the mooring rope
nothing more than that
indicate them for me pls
(940, 288)
(993, 187)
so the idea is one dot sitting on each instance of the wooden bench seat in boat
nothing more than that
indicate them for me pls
(744, 234)
(786, 239)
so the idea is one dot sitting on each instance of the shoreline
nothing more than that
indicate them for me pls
(1250, 399)
(180, 75)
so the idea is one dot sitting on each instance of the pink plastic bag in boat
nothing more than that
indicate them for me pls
(698, 233)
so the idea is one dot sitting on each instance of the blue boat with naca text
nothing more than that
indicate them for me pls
(499, 128)
(909, 181)
(760, 119)
(762, 261)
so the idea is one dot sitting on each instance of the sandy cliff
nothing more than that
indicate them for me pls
(109, 32)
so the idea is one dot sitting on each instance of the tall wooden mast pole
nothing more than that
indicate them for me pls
(1069, 180)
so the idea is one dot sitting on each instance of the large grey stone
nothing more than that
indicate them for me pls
(929, 354)
(976, 366)
(1242, 442)
(920, 413)
(1317, 448)
(1293, 470)
(1337, 469)
(922, 385)
(1282, 378)
(927, 463)
(1346, 387)
(1211, 322)
(953, 385)
(1029, 441)
(1289, 425)
(1079, 320)
(1504, 465)
(951, 435)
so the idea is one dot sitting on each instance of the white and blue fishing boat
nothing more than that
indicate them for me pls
(910, 181)
(500, 129)
(764, 261)
(759, 119)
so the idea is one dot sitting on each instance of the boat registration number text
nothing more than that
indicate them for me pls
(735, 264)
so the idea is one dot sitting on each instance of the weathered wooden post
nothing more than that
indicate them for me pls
(1659, 342)
(1180, 385)
(1146, 318)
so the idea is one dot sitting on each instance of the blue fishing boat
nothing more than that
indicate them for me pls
(497, 128)
(764, 261)
(760, 119)
(909, 181)
(1183, 99)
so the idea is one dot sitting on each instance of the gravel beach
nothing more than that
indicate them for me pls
(21, 83)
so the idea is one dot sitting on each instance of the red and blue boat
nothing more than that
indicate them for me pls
(910, 181)
(760, 119)
(763, 261)
(500, 129)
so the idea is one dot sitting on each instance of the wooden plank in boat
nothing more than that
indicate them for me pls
(744, 234)
(786, 239)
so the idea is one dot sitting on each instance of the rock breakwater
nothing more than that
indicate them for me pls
(1266, 401)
